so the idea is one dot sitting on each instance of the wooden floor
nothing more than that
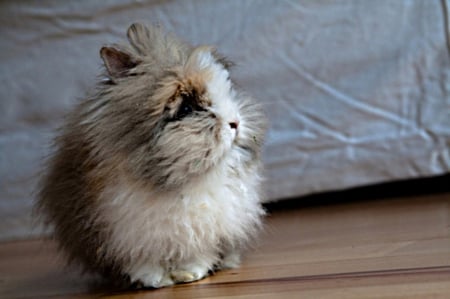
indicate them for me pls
(378, 248)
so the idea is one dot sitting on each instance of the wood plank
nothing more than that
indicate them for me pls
(389, 248)
(428, 283)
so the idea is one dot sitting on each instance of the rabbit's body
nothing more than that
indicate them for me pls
(156, 177)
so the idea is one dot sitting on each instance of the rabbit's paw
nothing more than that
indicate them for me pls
(151, 277)
(189, 274)
(230, 261)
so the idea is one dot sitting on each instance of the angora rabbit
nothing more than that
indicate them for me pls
(155, 178)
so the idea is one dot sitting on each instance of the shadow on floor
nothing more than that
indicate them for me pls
(405, 188)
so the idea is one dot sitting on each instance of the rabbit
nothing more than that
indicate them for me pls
(155, 178)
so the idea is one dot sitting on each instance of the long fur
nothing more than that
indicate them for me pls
(155, 177)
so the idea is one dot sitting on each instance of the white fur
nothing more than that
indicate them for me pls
(185, 230)
(178, 236)
(219, 88)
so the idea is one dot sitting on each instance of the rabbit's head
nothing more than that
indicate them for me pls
(168, 111)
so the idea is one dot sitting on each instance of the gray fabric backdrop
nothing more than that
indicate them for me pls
(357, 92)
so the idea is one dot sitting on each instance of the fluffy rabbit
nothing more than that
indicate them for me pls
(155, 177)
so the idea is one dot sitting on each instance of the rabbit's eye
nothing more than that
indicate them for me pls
(187, 106)
(184, 110)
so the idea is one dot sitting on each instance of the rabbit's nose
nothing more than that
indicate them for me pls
(234, 124)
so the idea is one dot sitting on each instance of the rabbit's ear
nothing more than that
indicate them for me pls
(225, 62)
(117, 62)
(138, 34)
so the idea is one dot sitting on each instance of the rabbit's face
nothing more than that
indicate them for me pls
(198, 122)
(202, 103)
